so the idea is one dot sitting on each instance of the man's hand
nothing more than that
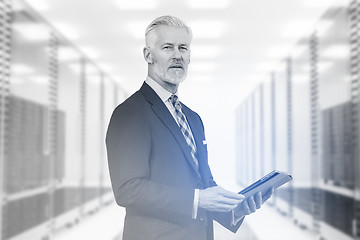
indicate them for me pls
(252, 203)
(217, 199)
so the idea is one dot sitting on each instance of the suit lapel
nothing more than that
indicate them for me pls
(165, 116)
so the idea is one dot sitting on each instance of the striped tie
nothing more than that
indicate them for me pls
(184, 127)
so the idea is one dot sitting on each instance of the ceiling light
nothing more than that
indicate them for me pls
(16, 80)
(39, 79)
(32, 31)
(136, 4)
(68, 54)
(300, 78)
(281, 67)
(206, 4)
(323, 27)
(323, 66)
(137, 29)
(21, 69)
(324, 3)
(297, 29)
(76, 67)
(204, 51)
(266, 67)
(202, 67)
(17, 6)
(347, 79)
(107, 67)
(90, 52)
(207, 29)
(298, 50)
(67, 30)
(39, 5)
(339, 51)
(94, 79)
(92, 70)
(317, 3)
(278, 51)
(258, 78)
(93, 76)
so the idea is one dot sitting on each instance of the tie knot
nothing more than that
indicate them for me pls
(175, 101)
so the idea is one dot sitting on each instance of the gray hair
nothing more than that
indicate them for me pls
(166, 20)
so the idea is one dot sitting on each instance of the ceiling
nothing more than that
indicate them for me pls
(235, 42)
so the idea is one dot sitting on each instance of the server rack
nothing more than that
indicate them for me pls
(321, 120)
(256, 168)
(258, 126)
(244, 177)
(248, 141)
(240, 142)
(282, 131)
(354, 14)
(336, 176)
(251, 138)
(301, 155)
(113, 97)
(5, 46)
(43, 106)
(68, 190)
(267, 127)
(255, 125)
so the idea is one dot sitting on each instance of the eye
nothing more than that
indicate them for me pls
(184, 48)
(167, 47)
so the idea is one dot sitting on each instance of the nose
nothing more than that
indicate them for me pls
(177, 54)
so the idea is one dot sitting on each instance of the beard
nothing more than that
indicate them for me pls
(173, 76)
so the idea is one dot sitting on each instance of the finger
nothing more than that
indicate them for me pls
(252, 204)
(258, 200)
(233, 195)
(229, 201)
(246, 208)
(268, 195)
(224, 207)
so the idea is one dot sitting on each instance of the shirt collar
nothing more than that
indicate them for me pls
(158, 89)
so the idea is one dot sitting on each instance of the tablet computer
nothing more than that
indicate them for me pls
(272, 180)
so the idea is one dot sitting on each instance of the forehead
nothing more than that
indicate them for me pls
(170, 34)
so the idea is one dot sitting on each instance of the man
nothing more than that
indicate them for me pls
(158, 155)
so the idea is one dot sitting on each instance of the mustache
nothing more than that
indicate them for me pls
(177, 64)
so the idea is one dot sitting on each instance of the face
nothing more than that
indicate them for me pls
(169, 54)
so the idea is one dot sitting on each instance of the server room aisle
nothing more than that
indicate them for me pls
(105, 224)
(266, 224)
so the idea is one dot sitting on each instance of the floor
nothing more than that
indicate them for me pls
(266, 223)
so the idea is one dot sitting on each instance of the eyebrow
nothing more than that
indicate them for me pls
(182, 44)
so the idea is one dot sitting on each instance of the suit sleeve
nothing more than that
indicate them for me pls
(128, 143)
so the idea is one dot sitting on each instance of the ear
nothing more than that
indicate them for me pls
(147, 55)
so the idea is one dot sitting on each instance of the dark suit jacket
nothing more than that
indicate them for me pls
(153, 174)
